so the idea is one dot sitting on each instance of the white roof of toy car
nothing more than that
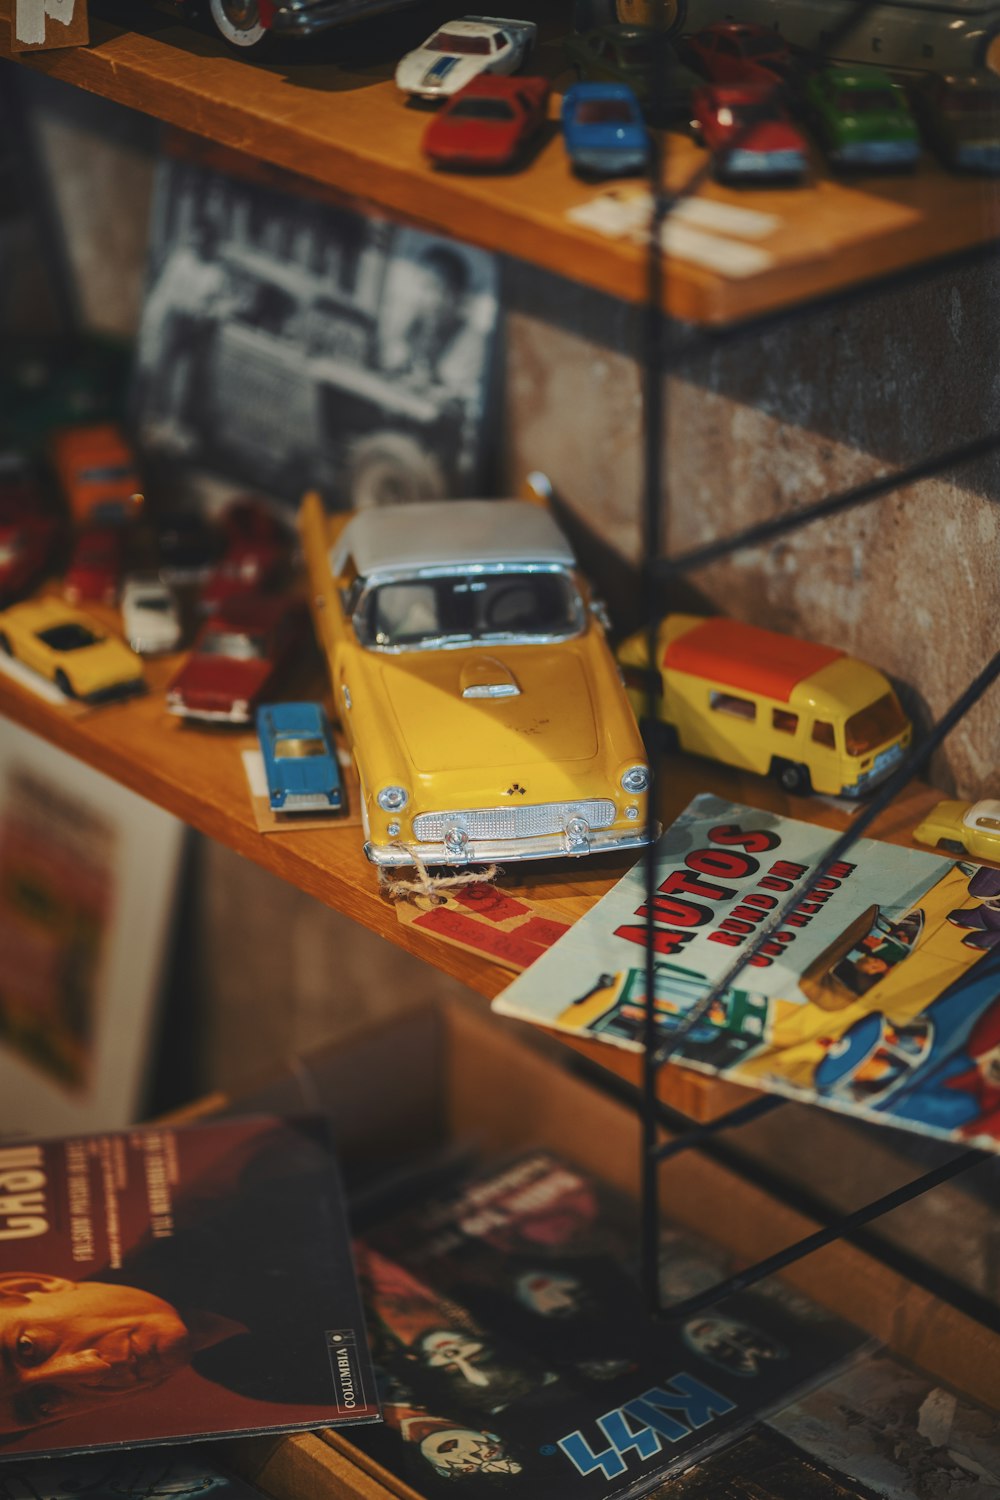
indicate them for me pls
(988, 808)
(402, 539)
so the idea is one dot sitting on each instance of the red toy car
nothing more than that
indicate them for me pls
(749, 133)
(237, 653)
(95, 567)
(27, 532)
(488, 123)
(738, 52)
(256, 548)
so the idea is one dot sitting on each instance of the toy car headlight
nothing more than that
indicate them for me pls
(636, 779)
(392, 798)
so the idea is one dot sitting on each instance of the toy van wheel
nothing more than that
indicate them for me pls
(792, 776)
(5, 645)
(64, 685)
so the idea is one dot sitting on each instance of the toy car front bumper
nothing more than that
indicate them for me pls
(502, 851)
(877, 154)
(305, 17)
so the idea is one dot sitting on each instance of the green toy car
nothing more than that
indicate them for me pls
(862, 119)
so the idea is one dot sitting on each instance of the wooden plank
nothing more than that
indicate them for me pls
(197, 774)
(349, 128)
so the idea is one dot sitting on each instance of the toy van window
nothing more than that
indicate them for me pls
(499, 40)
(881, 721)
(726, 703)
(823, 734)
(783, 721)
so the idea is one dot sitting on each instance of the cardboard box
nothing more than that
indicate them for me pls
(451, 1075)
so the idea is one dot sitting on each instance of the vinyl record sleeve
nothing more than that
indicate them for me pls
(514, 1350)
(164, 1284)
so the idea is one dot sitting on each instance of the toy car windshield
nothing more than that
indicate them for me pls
(603, 112)
(232, 643)
(868, 101)
(451, 41)
(299, 747)
(481, 109)
(69, 637)
(872, 726)
(476, 607)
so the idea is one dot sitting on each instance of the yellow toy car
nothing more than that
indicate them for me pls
(71, 650)
(808, 715)
(972, 827)
(474, 684)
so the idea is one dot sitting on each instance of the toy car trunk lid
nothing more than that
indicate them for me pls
(447, 535)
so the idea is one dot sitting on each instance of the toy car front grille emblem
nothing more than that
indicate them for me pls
(516, 790)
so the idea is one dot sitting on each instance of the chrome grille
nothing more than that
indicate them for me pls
(513, 822)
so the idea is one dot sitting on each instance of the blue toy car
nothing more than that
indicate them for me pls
(604, 130)
(299, 757)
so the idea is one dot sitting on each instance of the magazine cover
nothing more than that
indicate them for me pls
(176, 1473)
(163, 1284)
(879, 995)
(292, 344)
(513, 1349)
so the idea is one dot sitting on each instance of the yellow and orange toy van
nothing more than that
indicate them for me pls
(811, 716)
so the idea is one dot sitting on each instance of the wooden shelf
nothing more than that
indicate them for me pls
(346, 126)
(197, 774)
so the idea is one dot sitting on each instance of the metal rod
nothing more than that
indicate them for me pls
(698, 1134)
(833, 505)
(812, 1242)
(840, 846)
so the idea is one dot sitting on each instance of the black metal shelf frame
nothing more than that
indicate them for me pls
(658, 574)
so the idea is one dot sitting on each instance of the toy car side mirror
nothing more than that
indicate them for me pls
(599, 610)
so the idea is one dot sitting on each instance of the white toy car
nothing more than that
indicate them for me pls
(461, 51)
(150, 616)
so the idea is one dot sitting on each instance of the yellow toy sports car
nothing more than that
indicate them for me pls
(970, 826)
(474, 684)
(71, 650)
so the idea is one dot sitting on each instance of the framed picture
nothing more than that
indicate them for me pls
(88, 872)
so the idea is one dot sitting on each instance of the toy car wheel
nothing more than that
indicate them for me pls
(792, 776)
(64, 685)
(239, 24)
(953, 846)
(5, 645)
(390, 468)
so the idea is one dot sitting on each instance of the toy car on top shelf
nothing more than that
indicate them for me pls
(28, 531)
(628, 55)
(474, 684)
(71, 650)
(861, 119)
(488, 124)
(236, 655)
(959, 115)
(811, 716)
(738, 52)
(95, 565)
(604, 130)
(749, 133)
(249, 25)
(97, 473)
(964, 827)
(150, 615)
(460, 51)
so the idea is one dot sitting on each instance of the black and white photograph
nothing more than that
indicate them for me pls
(290, 344)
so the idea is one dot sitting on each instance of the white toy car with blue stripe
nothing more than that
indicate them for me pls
(462, 50)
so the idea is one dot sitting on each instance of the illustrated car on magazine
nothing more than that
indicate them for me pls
(474, 684)
(71, 650)
(460, 50)
(300, 758)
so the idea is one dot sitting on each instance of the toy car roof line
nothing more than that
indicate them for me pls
(748, 657)
(446, 534)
